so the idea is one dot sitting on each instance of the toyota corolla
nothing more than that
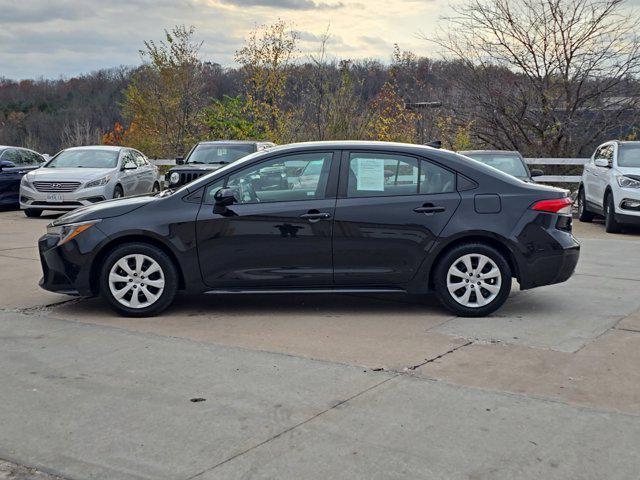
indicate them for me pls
(342, 217)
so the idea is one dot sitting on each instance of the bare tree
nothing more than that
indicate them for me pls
(78, 133)
(545, 76)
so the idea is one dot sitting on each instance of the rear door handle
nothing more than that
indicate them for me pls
(315, 216)
(429, 208)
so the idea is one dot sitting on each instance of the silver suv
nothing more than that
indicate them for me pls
(81, 176)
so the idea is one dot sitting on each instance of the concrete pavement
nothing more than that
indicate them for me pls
(548, 387)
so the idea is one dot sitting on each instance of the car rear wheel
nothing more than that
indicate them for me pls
(473, 280)
(138, 280)
(156, 188)
(611, 225)
(32, 212)
(584, 215)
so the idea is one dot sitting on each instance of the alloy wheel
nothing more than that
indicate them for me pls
(136, 281)
(474, 280)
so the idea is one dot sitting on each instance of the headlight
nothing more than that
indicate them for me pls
(174, 177)
(25, 181)
(627, 182)
(70, 230)
(99, 182)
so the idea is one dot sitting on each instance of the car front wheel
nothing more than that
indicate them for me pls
(473, 280)
(611, 225)
(138, 280)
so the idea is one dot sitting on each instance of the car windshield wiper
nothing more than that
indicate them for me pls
(195, 161)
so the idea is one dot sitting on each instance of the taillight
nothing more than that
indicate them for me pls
(557, 205)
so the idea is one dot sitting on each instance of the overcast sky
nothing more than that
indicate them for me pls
(53, 38)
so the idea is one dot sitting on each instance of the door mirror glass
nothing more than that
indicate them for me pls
(179, 160)
(225, 197)
(536, 172)
(6, 164)
(602, 162)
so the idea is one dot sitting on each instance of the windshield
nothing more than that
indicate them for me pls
(629, 156)
(219, 154)
(505, 162)
(89, 158)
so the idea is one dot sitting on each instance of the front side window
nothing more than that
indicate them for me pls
(128, 161)
(140, 161)
(85, 158)
(377, 174)
(284, 179)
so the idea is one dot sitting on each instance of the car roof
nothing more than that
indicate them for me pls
(115, 148)
(4, 147)
(232, 142)
(466, 152)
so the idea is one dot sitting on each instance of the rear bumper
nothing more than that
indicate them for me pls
(549, 252)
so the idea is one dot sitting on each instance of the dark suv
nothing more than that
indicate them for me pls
(346, 217)
(206, 157)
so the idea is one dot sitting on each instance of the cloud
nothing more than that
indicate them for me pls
(285, 4)
(52, 38)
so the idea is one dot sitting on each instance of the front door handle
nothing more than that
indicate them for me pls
(429, 208)
(315, 216)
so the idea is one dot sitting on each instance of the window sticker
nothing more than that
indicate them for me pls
(222, 152)
(370, 174)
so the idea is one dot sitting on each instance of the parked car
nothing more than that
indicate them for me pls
(14, 163)
(610, 185)
(207, 157)
(457, 227)
(510, 162)
(82, 176)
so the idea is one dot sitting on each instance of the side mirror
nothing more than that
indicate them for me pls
(129, 166)
(6, 164)
(434, 144)
(536, 172)
(179, 160)
(46, 157)
(602, 162)
(225, 197)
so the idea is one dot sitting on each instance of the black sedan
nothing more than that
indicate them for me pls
(347, 217)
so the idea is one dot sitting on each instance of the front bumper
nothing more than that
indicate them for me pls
(30, 198)
(66, 268)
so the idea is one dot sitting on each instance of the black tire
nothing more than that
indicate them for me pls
(32, 212)
(450, 258)
(169, 273)
(611, 225)
(584, 215)
(156, 188)
(118, 192)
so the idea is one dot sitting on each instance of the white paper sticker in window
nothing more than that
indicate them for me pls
(370, 174)
(222, 152)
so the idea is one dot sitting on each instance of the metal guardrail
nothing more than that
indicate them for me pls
(557, 161)
(530, 161)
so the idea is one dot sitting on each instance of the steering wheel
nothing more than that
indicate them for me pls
(248, 189)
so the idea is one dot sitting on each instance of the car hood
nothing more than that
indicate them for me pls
(197, 167)
(107, 209)
(45, 174)
(635, 171)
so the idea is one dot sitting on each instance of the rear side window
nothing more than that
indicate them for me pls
(376, 174)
